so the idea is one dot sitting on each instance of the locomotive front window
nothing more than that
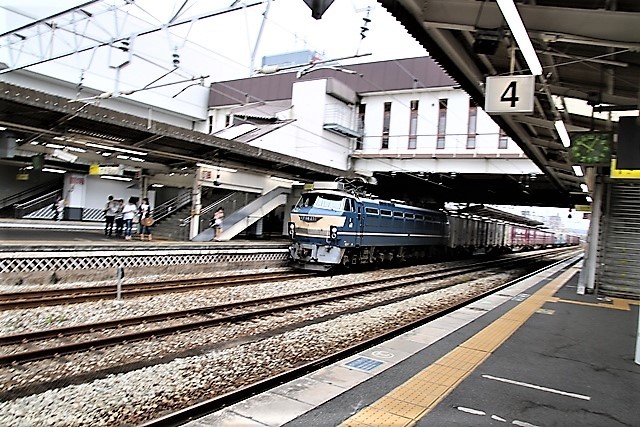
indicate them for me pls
(349, 205)
(323, 201)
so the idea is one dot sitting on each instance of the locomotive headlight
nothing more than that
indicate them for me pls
(333, 232)
(292, 230)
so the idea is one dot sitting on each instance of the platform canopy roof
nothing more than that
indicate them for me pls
(590, 56)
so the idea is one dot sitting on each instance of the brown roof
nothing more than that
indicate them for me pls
(395, 74)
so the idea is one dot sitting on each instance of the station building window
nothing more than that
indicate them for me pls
(413, 125)
(442, 123)
(386, 124)
(503, 140)
(471, 127)
(362, 108)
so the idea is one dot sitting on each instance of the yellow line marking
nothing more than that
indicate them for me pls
(616, 303)
(591, 304)
(409, 402)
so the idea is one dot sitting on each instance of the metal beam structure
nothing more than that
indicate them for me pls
(590, 51)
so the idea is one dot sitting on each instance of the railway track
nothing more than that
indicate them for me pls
(209, 406)
(53, 342)
(29, 299)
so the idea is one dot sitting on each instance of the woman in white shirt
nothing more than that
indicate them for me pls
(128, 213)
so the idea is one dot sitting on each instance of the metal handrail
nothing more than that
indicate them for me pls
(209, 208)
(22, 209)
(165, 209)
(16, 198)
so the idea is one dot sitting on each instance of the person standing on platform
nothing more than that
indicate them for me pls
(118, 220)
(128, 213)
(110, 210)
(146, 219)
(58, 208)
(218, 217)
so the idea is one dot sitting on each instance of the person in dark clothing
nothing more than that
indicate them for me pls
(118, 219)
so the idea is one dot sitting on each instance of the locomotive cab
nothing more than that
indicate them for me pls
(323, 223)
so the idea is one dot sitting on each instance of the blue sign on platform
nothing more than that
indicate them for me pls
(364, 364)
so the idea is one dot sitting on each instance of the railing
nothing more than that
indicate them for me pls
(229, 203)
(48, 199)
(340, 115)
(172, 205)
(246, 216)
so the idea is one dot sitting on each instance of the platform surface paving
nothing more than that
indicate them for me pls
(535, 354)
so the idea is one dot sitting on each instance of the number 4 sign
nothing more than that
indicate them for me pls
(509, 94)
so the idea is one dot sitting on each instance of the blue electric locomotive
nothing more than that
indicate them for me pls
(330, 226)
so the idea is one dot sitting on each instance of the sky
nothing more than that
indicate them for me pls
(231, 40)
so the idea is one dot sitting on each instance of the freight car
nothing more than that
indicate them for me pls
(331, 227)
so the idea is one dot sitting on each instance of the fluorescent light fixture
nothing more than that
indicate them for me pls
(589, 199)
(577, 170)
(115, 178)
(63, 155)
(118, 149)
(76, 149)
(50, 145)
(288, 181)
(53, 170)
(136, 159)
(2, 128)
(34, 143)
(219, 168)
(122, 157)
(511, 15)
(562, 132)
(28, 167)
(585, 188)
(157, 185)
(106, 154)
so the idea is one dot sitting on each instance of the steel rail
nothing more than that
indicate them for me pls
(201, 409)
(30, 299)
(342, 291)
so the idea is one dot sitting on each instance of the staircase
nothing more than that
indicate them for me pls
(173, 218)
(172, 226)
(243, 218)
(34, 199)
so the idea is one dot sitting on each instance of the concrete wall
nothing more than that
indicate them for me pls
(487, 131)
(305, 138)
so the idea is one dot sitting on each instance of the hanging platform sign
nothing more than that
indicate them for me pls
(623, 173)
(509, 94)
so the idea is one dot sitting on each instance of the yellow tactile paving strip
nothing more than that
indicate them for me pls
(410, 401)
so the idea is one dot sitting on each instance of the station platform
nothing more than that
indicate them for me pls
(28, 232)
(45, 252)
(534, 354)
